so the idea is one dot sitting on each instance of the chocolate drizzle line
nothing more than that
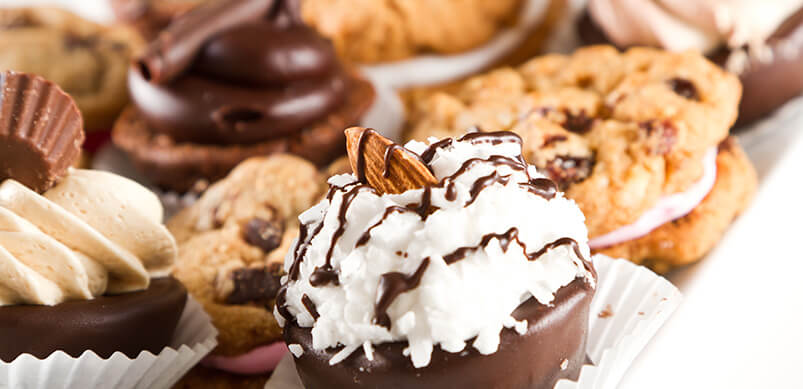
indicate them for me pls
(494, 138)
(391, 285)
(325, 274)
(394, 284)
(366, 236)
(361, 144)
(281, 303)
(310, 306)
(484, 182)
(512, 235)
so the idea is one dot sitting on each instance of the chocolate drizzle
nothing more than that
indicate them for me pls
(366, 236)
(310, 306)
(360, 170)
(429, 153)
(484, 182)
(362, 143)
(391, 285)
(281, 303)
(326, 274)
(495, 138)
(512, 235)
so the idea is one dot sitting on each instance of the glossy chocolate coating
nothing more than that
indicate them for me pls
(200, 110)
(129, 323)
(237, 77)
(769, 85)
(265, 55)
(531, 361)
(765, 85)
(180, 166)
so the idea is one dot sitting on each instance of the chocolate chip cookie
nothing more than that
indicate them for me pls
(621, 134)
(232, 244)
(87, 60)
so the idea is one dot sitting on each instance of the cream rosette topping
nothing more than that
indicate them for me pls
(446, 264)
(92, 233)
(700, 25)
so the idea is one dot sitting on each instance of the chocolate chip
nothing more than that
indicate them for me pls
(684, 88)
(72, 42)
(17, 22)
(253, 285)
(265, 234)
(579, 123)
(565, 170)
(550, 139)
(661, 136)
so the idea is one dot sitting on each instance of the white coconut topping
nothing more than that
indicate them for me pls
(461, 294)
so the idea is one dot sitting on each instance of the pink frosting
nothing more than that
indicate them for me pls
(667, 208)
(260, 360)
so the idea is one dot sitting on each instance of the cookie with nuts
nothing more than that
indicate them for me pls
(631, 136)
(232, 244)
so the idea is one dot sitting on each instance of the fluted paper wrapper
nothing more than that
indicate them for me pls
(631, 303)
(195, 337)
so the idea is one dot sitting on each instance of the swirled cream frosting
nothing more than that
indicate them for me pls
(93, 233)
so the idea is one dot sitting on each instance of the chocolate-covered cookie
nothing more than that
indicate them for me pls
(207, 95)
(73, 278)
(762, 50)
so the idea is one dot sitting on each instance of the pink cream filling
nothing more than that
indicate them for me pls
(260, 360)
(667, 208)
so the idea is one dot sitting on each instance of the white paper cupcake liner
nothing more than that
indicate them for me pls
(195, 337)
(630, 304)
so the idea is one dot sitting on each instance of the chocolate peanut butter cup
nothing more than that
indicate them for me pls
(231, 80)
(41, 130)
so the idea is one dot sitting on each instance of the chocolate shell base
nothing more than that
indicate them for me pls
(129, 323)
(180, 166)
(556, 335)
(765, 85)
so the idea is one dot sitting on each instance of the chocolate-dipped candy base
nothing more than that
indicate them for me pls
(180, 165)
(766, 85)
(129, 323)
(552, 348)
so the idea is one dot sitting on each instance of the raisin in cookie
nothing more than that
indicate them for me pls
(623, 134)
(87, 60)
(232, 244)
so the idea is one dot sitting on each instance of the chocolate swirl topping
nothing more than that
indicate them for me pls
(394, 284)
(237, 72)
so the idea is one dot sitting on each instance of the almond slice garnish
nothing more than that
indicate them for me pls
(385, 165)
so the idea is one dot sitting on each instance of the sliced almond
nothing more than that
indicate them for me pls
(385, 165)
